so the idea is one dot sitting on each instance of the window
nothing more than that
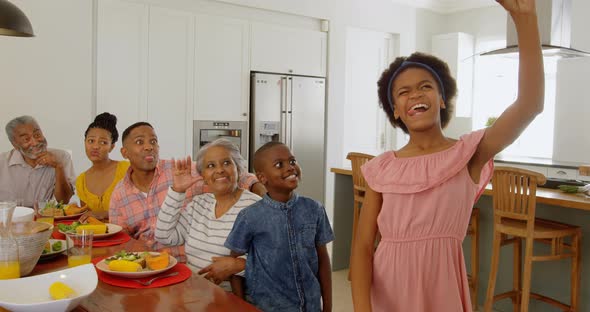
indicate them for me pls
(495, 88)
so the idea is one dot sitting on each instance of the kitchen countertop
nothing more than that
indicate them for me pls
(544, 195)
(534, 161)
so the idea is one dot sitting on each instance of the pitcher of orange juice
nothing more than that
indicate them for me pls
(9, 264)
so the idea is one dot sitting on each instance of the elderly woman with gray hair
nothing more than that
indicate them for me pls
(207, 220)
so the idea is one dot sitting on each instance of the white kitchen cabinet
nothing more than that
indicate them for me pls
(222, 64)
(170, 79)
(281, 49)
(121, 69)
(457, 50)
(571, 134)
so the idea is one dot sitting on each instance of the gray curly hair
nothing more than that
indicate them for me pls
(22, 120)
(233, 150)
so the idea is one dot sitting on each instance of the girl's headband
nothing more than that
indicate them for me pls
(407, 64)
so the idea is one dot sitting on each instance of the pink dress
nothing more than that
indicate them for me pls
(427, 203)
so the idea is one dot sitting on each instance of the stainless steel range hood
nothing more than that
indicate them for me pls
(555, 21)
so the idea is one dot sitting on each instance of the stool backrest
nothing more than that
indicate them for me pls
(358, 181)
(515, 192)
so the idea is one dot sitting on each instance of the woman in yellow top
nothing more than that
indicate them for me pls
(95, 185)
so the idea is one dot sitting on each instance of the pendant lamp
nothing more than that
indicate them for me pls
(13, 22)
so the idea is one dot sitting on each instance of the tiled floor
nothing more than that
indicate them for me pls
(341, 295)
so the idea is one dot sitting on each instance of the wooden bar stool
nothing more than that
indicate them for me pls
(514, 192)
(473, 276)
(359, 185)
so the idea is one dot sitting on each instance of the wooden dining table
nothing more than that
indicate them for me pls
(194, 294)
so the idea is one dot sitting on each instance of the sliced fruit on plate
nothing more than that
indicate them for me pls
(124, 266)
(157, 262)
(73, 209)
(96, 228)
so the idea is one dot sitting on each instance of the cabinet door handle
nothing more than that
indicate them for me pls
(561, 172)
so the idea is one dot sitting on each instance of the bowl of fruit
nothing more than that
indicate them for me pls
(57, 291)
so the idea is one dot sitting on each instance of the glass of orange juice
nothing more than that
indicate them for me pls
(9, 269)
(79, 248)
(44, 213)
(9, 261)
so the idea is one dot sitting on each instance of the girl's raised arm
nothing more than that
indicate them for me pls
(531, 87)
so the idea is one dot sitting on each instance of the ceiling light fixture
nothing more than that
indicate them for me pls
(13, 22)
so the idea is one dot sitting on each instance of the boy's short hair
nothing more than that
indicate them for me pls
(258, 155)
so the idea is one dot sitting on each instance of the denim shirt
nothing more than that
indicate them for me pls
(282, 264)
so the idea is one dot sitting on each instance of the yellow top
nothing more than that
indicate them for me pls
(100, 203)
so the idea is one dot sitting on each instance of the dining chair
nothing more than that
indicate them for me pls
(359, 186)
(514, 201)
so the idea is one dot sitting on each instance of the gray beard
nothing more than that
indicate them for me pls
(29, 154)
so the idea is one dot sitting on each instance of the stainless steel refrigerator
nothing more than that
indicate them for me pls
(290, 109)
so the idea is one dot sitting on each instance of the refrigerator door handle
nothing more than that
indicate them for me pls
(283, 132)
(289, 102)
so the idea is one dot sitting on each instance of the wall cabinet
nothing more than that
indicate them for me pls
(571, 134)
(222, 64)
(172, 66)
(457, 50)
(170, 79)
(145, 64)
(286, 50)
(121, 69)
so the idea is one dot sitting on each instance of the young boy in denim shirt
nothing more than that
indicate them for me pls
(285, 236)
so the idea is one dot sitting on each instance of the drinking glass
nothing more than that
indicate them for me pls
(79, 247)
(44, 215)
(9, 261)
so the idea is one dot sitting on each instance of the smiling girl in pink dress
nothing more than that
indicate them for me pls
(420, 197)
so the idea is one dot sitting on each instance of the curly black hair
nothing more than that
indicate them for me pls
(107, 122)
(439, 66)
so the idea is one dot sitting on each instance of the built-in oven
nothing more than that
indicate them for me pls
(205, 131)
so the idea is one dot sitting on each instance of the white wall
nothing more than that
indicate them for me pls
(49, 76)
(470, 22)
(428, 24)
(484, 24)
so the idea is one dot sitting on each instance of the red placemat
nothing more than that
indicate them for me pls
(56, 234)
(183, 274)
(116, 239)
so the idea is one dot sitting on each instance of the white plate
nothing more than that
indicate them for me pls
(52, 254)
(63, 217)
(103, 266)
(31, 294)
(112, 230)
(69, 217)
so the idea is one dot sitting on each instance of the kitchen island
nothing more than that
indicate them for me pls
(551, 278)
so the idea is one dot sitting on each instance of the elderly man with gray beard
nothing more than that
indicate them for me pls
(31, 171)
